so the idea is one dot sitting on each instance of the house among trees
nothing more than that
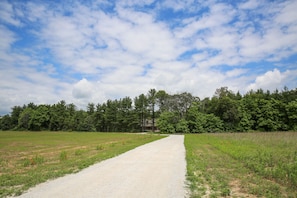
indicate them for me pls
(148, 126)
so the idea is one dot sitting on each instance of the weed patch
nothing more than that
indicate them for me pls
(63, 156)
(78, 152)
(99, 147)
(36, 160)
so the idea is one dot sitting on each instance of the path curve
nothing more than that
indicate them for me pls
(156, 169)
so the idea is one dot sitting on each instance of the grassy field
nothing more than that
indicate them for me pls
(29, 158)
(242, 164)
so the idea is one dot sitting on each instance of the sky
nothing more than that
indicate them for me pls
(89, 51)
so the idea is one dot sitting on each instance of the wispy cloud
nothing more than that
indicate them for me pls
(8, 14)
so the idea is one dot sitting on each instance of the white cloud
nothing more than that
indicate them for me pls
(201, 82)
(251, 38)
(218, 16)
(64, 37)
(82, 89)
(288, 13)
(189, 6)
(274, 35)
(235, 72)
(131, 3)
(85, 91)
(130, 38)
(274, 79)
(21, 85)
(7, 14)
(250, 4)
(6, 39)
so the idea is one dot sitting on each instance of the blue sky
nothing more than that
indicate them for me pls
(91, 51)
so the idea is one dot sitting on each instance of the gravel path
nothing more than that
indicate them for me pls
(153, 170)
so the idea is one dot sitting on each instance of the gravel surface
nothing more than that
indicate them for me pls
(157, 169)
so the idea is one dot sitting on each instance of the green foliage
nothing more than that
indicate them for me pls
(182, 126)
(152, 105)
(201, 122)
(166, 122)
(180, 103)
(6, 122)
(25, 119)
(291, 109)
(227, 110)
(40, 118)
(141, 110)
(161, 99)
(15, 114)
(87, 123)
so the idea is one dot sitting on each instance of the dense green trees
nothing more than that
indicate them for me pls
(178, 113)
(152, 102)
(141, 109)
(291, 110)
(199, 122)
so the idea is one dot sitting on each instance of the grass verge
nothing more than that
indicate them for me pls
(30, 158)
(242, 164)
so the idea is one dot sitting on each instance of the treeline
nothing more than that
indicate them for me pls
(178, 113)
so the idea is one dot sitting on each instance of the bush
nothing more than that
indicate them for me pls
(182, 126)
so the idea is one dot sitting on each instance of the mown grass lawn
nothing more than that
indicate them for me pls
(242, 164)
(29, 158)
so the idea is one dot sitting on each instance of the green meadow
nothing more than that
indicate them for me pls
(29, 158)
(242, 164)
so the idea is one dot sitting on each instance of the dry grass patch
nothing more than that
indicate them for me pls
(29, 158)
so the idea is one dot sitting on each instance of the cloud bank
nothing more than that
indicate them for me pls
(91, 51)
